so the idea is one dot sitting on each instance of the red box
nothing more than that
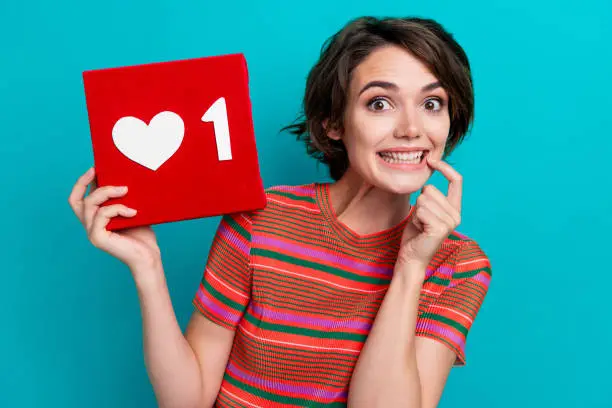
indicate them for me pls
(179, 134)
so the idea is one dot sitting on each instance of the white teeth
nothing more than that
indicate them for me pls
(402, 157)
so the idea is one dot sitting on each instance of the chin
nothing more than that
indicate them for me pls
(401, 182)
(401, 185)
(399, 179)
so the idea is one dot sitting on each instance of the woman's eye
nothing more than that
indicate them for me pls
(433, 105)
(379, 104)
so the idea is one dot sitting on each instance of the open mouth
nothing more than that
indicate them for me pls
(414, 157)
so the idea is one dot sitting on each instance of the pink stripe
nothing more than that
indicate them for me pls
(432, 326)
(319, 323)
(444, 270)
(212, 307)
(481, 277)
(313, 393)
(233, 239)
(309, 191)
(335, 258)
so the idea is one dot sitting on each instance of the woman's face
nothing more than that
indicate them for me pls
(396, 113)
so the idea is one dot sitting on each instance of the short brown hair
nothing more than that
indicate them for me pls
(328, 81)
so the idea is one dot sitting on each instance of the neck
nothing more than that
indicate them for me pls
(365, 208)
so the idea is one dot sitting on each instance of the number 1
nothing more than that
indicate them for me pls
(217, 113)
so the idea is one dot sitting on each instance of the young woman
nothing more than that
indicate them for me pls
(336, 293)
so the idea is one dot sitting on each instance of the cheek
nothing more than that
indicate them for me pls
(368, 132)
(437, 130)
(365, 135)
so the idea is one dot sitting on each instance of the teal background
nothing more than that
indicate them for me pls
(537, 193)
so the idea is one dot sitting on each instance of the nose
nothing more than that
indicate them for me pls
(408, 124)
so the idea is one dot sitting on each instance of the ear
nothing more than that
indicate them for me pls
(332, 133)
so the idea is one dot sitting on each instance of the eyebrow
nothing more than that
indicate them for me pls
(394, 87)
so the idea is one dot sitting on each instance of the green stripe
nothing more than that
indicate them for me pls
(446, 321)
(317, 292)
(314, 379)
(286, 301)
(303, 331)
(222, 298)
(475, 272)
(343, 356)
(278, 398)
(290, 234)
(314, 265)
(238, 228)
(438, 281)
(306, 199)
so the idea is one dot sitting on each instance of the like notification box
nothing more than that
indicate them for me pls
(179, 135)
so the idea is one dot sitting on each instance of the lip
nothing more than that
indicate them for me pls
(406, 149)
(405, 166)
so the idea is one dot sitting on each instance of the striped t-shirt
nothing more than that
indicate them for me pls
(302, 290)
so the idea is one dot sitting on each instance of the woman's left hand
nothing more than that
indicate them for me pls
(435, 217)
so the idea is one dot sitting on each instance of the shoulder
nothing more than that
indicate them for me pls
(304, 192)
(467, 255)
(293, 198)
(281, 200)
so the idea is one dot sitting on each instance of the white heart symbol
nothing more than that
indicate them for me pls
(152, 145)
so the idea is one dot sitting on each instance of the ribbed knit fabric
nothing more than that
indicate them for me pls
(302, 291)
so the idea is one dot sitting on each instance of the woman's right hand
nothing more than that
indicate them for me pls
(136, 247)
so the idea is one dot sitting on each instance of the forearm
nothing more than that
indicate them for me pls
(170, 361)
(386, 372)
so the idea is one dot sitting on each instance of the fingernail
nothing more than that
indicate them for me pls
(131, 211)
(122, 189)
(90, 171)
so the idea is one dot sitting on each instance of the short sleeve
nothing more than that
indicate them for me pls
(224, 292)
(450, 316)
